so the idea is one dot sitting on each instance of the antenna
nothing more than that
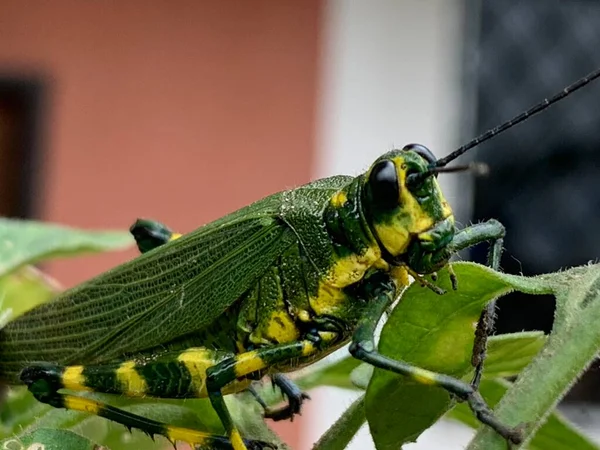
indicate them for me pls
(518, 119)
(477, 168)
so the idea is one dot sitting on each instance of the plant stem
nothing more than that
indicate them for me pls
(343, 430)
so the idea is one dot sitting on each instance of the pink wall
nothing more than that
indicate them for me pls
(181, 111)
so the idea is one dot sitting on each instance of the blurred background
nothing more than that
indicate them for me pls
(184, 111)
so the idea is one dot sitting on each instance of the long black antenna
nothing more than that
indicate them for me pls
(476, 167)
(518, 119)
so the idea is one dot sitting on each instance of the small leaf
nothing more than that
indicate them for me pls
(361, 376)
(434, 332)
(22, 290)
(19, 411)
(571, 347)
(49, 439)
(508, 354)
(26, 242)
(330, 374)
(248, 416)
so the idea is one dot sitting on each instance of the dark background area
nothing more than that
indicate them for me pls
(544, 183)
(21, 102)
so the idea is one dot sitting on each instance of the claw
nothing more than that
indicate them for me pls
(295, 399)
(293, 407)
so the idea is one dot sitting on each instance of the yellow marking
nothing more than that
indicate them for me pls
(132, 382)
(328, 299)
(236, 386)
(82, 404)
(412, 219)
(175, 236)
(400, 274)
(281, 328)
(74, 379)
(192, 437)
(426, 236)
(304, 315)
(197, 360)
(236, 440)
(424, 377)
(396, 236)
(350, 269)
(338, 199)
(381, 264)
(308, 348)
(248, 362)
(328, 336)
(344, 272)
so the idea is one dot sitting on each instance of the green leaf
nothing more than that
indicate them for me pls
(22, 290)
(570, 348)
(508, 354)
(361, 376)
(329, 374)
(26, 242)
(19, 411)
(248, 416)
(556, 434)
(434, 332)
(49, 439)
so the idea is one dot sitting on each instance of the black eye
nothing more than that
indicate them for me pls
(383, 186)
(422, 151)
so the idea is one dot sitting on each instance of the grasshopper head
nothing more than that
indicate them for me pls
(406, 209)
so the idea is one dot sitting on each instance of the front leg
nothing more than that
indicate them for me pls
(493, 232)
(363, 348)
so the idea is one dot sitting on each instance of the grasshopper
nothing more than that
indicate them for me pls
(265, 290)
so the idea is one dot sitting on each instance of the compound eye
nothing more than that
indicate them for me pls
(422, 151)
(383, 186)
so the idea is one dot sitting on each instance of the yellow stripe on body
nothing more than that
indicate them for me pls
(400, 275)
(236, 440)
(308, 348)
(82, 404)
(281, 328)
(175, 236)
(197, 360)
(248, 362)
(327, 300)
(132, 383)
(345, 271)
(350, 269)
(339, 199)
(73, 378)
(192, 437)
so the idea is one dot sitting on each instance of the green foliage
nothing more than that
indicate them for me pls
(50, 439)
(23, 243)
(26, 242)
(432, 331)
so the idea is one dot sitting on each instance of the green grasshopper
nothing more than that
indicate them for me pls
(268, 289)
